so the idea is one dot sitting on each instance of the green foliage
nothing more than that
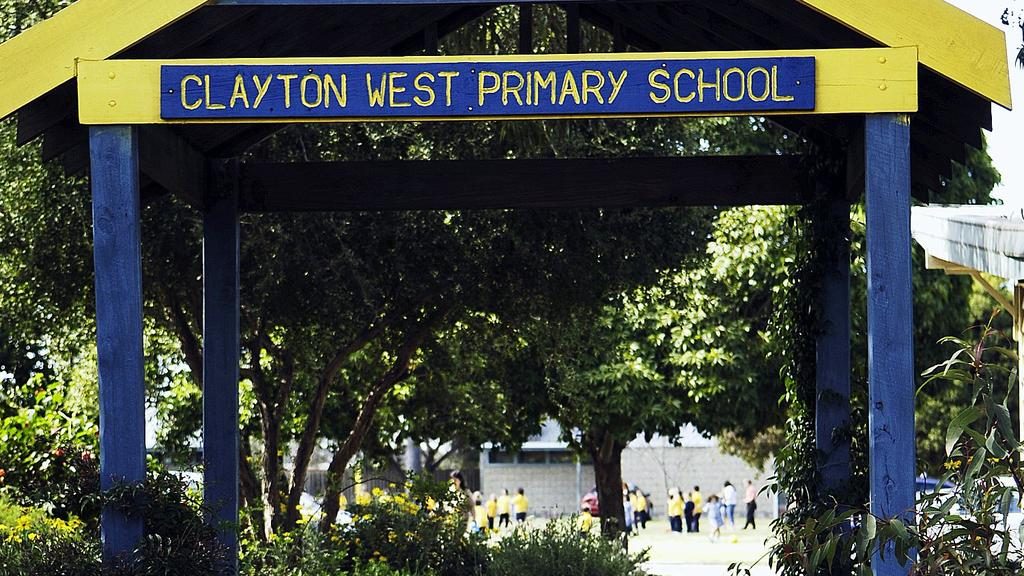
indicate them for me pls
(958, 531)
(413, 529)
(177, 539)
(418, 531)
(46, 452)
(33, 543)
(558, 549)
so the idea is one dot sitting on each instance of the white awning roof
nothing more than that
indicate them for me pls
(989, 239)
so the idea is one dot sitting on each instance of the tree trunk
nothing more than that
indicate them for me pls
(307, 442)
(398, 372)
(248, 483)
(607, 455)
(350, 447)
(272, 484)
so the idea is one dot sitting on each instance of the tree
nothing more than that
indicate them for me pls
(694, 347)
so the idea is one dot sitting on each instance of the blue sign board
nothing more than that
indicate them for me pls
(498, 89)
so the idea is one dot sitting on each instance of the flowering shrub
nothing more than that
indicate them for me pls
(177, 540)
(33, 543)
(412, 530)
(420, 531)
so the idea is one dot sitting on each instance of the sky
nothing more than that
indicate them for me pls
(1006, 141)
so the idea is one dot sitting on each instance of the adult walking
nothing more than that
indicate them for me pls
(751, 501)
(729, 501)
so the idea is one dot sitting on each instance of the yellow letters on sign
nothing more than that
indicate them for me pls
(847, 81)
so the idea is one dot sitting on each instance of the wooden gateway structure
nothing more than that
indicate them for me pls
(147, 95)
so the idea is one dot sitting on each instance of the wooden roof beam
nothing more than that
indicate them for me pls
(498, 184)
(959, 46)
(43, 57)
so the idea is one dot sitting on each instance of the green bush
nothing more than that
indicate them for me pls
(303, 552)
(177, 540)
(47, 455)
(416, 531)
(558, 549)
(959, 531)
(33, 543)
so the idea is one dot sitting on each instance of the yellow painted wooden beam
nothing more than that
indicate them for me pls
(849, 81)
(43, 57)
(952, 42)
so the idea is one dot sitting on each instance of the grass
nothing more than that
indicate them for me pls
(733, 546)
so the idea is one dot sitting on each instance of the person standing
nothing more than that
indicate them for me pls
(688, 512)
(504, 509)
(492, 512)
(522, 504)
(464, 501)
(675, 510)
(698, 507)
(627, 507)
(479, 513)
(729, 501)
(640, 510)
(751, 501)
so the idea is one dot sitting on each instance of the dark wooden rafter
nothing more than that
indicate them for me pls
(499, 184)
(47, 111)
(526, 29)
(430, 39)
(173, 164)
(573, 43)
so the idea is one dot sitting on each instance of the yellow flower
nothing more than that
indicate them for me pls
(377, 492)
(33, 536)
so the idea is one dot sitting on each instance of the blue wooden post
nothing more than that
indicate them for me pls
(114, 155)
(890, 324)
(221, 357)
(832, 410)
